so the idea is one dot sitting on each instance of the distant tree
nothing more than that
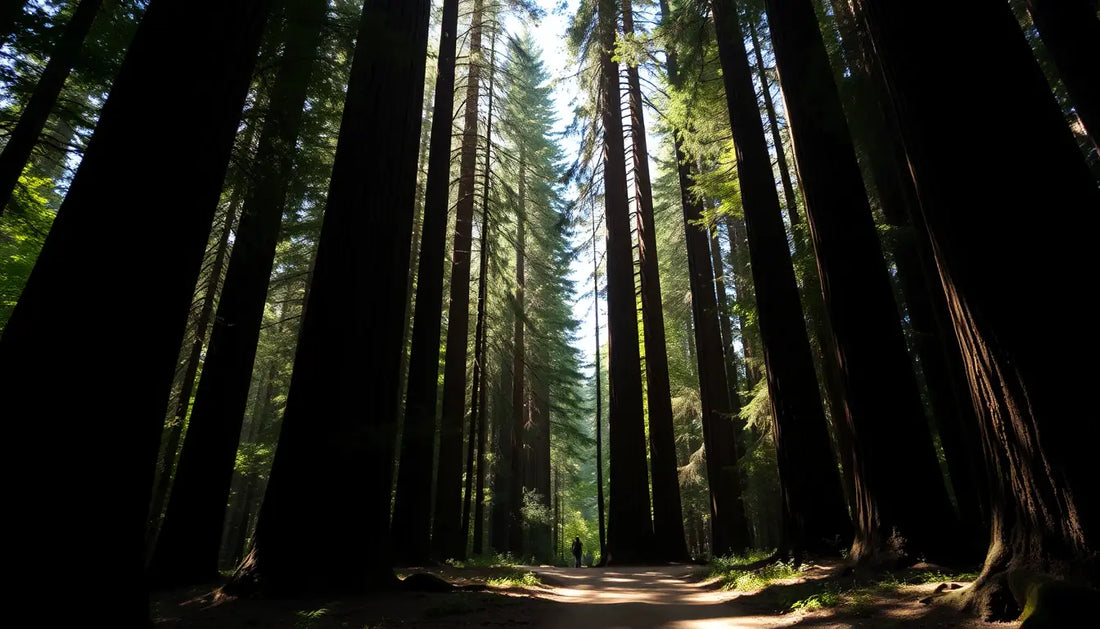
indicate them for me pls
(33, 119)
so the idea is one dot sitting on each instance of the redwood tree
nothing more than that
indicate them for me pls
(630, 529)
(331, 477)
(446, 527)
(813, 504)
(188, 67)
(187, 547)
(412, 507)
(668, 517)
(1040, 463)
(899, 485)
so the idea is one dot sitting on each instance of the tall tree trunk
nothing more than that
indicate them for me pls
(899, 485)
(668, 516)
(108, 466)
(541, 543)
(163, 481)
(1070, 30)
(187, 549)
(448, 493)
(33, 118)
(412, 510)
(777, 139)
(338, 427)
(477, 409)
(519, 361)
(1045, 509)
(599, 397)
(934, 340)
(630, 529)
(814, 512)
(729, 526)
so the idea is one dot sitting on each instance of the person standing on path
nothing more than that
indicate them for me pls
(577, 546)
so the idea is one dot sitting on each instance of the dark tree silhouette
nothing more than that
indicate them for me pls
(187, 547)
(1044, 507)
(412, 508)
(813, 504)
(48, 359)
(337, 435)
(630, 529)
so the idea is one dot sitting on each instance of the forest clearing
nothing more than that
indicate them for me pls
(372, 313)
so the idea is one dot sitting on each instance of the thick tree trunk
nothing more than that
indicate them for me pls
(446, 527)
(777, 139)
(187, 547)
(519, 362)
(338, 428)
(630, 529)
(899, 486)
(814, 512)
(668, 516)
(934, 340)
(108, 466)
(412, 510)
(1070, 30)
(1041, 467)
(33, 118)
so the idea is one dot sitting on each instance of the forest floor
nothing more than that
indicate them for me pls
(820, 595)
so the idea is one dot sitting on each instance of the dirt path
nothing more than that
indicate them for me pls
(659, 596)
(580, 598)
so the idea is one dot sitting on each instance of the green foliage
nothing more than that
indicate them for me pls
(515, 578)
(732, 573)
(23, 230)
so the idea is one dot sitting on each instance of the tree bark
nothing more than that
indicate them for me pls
(668, 516)
(630, 529)
(33, 118)
(1045, 511)
(108, 466)
(899, 486)
(446, 540)
(412, 510)
(187, 548)
(337, 433)
(814, 512)
(876, 132)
